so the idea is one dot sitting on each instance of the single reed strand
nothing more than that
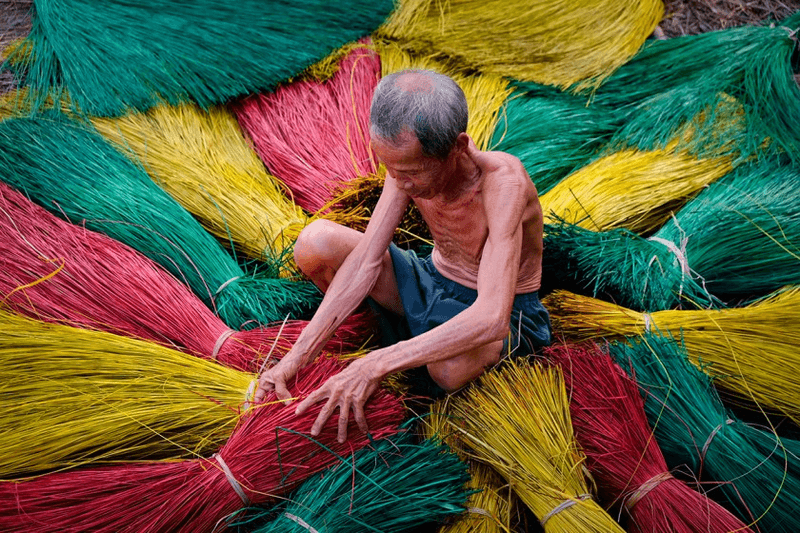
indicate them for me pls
(202, 160)
(517, 420)
(752, 471)
(268, 455)
(77, 175)
(71, 397)
(60, 272)
(745, 349)
(536, 41)
(396, 485)
(313, 134)
(489, 506)
(622, 453)
(117, 56)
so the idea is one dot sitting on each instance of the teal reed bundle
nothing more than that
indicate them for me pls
(114, 56)
(670, 81)
(393, 486)
(551, 132)
(738, 239)
(77, 175)
(752, 471)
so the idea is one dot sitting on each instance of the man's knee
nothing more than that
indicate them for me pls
(316, 245)
(454, 373)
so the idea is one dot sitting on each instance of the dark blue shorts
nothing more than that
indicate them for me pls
(430, 299)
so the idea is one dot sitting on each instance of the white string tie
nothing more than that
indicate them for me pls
(566, 504)
(232, 480)
(299, 521)
(220, 341)
(234, 278)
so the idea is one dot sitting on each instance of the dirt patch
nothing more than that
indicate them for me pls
(15, 22)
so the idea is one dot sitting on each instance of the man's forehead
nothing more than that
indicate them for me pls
(415, 82)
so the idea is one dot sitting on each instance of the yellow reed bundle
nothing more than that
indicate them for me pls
(201, 159)
(631, 189)
(71, 396)
(547, 42)
(488, 509)
(517, 420)
(485, 93)
(748, 350)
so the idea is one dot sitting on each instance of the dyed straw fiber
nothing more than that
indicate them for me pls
(621, 453)
(268, 455)
(72, 396)
(59, 272)
(312, 134)
(672, 80)
(116, 56)
(517, 420)
(551, 132)
(394, 486)
(541, 41)
(76, 174)
(489, 506)
(747, 350)
(750, 470)
(738, 239)
(202, 160)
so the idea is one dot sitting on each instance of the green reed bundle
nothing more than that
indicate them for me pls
(757, 473)
(739, 238)
(671, 81)
(77, 175)
(115, 55)
(393, 486)
(551, 132)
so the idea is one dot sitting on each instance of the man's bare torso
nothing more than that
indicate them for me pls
(459, 226)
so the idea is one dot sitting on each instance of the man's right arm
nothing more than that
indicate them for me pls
(352, 283)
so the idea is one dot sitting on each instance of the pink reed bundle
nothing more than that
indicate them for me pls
(611, 426)
(268, 455)
(59, 272)
(313, 135)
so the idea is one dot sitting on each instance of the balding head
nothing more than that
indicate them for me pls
(430, 105)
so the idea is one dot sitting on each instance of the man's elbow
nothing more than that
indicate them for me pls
(499, 329)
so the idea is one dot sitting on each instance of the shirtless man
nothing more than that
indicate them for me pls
(473, 300)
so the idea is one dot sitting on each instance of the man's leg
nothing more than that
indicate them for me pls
(322, 247)
(457, 371)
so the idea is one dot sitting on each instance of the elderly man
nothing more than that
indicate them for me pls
(471, 302)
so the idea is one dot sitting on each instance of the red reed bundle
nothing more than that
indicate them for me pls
(611, 426)
(311, 135)
(266, 456)
(59, 272)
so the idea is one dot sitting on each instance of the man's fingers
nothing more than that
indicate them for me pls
(323, 417)
(361, 419)
(282, 392)
(344, 416)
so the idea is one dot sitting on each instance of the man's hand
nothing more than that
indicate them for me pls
(349, 389)
(275, 378)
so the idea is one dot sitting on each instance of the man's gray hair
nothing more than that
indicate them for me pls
(425, 102)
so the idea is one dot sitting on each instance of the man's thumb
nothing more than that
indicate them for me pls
(282, 392)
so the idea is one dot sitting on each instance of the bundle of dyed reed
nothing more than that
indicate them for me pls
(757, 472)
(60, 272)
(267, 456)
(489, 506)
(551, 132)
(137, 55)
(672, 80)
(517, 420)
(739, 238)
(77, 175)
(542, 42)
(72, 396)
(396, 485)
(313, 134)
(746, 349)
(631, 189)
(612, 430)
(202, 160)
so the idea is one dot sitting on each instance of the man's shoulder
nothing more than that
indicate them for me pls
(503, 169)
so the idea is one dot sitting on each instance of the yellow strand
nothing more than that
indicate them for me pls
(71, 397)
(531, 40)
(517, 420)
(747, 350)
(203, 161)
